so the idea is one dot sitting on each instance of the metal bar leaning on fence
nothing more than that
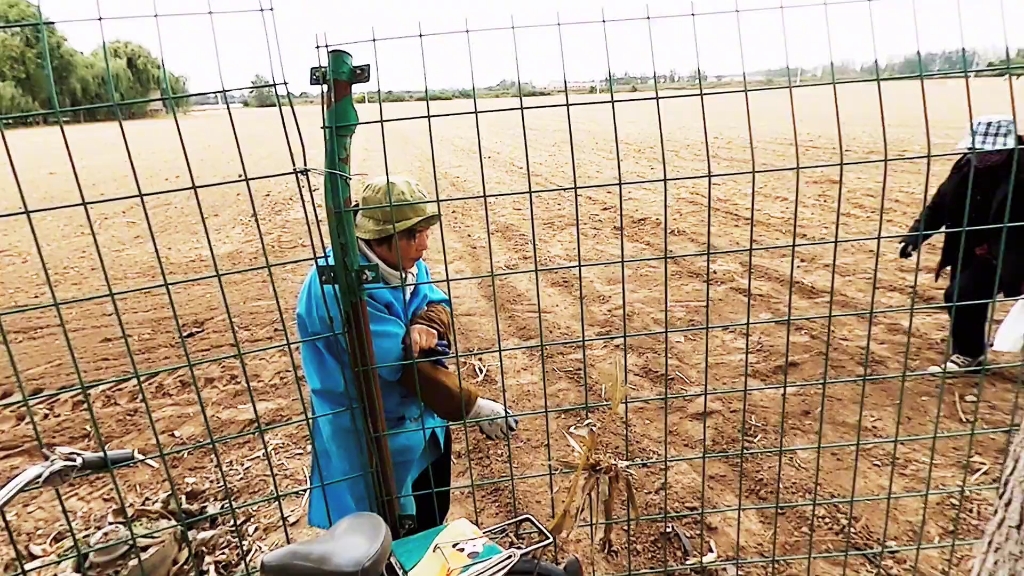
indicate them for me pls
(341, 121)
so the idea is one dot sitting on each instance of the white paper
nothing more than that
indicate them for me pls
(1010, 335)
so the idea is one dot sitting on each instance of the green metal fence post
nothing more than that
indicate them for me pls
(347, 274)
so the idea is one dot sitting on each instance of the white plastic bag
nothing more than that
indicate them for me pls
(1010, 335)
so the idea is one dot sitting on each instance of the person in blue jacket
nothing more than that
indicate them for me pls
(409, 318)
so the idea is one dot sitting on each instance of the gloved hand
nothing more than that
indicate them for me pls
(503, 423)
(909, 245)
(438, 353)
(420, 338)
(438, 318)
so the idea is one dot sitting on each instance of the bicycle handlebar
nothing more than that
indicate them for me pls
(60, 466)
(96, 461)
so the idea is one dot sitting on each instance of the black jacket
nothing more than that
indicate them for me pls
(1007, 244)
(988, 189)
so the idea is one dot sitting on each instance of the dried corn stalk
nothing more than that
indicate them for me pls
(597, 476)
(618, 391)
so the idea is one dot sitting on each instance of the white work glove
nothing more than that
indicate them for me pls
(503, 423)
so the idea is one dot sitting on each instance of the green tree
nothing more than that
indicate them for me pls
(130, 73)
(391, 96)
(175, 88)
(261, 95)
(40, 71)
(1012, 67)
(25, 56)
(14, 101)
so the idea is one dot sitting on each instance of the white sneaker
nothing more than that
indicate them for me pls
(958, 363)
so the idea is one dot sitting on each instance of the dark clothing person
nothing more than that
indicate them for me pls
(432, 490)
(973, 196)
(969, 293)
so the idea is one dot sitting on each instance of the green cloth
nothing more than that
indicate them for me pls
(411, 549)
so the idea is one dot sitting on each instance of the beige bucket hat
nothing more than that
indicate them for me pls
(384, 208)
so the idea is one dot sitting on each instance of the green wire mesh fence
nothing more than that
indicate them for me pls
(700, 270)
(144, 267)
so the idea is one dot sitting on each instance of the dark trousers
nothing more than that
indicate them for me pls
(432, 490)
(976, 282)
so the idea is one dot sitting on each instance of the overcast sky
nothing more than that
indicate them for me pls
(800, 34)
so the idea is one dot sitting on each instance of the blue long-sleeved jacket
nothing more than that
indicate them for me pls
(340, 471)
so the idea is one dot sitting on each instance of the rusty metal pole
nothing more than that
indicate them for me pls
(347, 273)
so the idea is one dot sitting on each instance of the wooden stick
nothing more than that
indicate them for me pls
(959, 409)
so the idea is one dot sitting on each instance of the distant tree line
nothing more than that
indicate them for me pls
(125, 72)
(263, 94)
(926, 64)
(503, 89)
(673, 77)
(1013, 66)
(120, 71)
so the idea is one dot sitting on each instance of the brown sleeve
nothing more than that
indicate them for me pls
(438, 317)
(439, 389)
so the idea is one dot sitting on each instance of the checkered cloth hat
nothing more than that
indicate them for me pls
(990, 133)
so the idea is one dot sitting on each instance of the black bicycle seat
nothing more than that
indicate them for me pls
(358, 545)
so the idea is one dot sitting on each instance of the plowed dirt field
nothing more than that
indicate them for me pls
(755, 413)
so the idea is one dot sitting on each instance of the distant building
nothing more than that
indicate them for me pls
(157, 105)
(750, 77)
(205, 100)
(575, 86)
(219, 99)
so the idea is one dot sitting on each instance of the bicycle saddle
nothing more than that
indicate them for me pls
(358, 545)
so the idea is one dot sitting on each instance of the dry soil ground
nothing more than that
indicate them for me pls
(716, 403)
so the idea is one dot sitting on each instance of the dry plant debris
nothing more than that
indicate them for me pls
(167, 536)
(597, 476)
